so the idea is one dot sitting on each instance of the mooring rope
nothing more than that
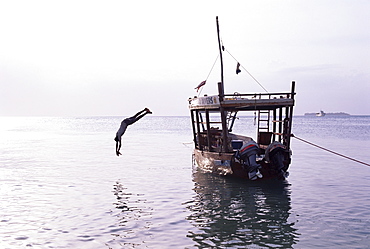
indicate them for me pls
(336, 153)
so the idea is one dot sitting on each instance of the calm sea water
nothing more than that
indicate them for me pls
(62, 186)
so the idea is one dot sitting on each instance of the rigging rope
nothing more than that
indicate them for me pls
(338, 154)
(248, 72)
(214, 63)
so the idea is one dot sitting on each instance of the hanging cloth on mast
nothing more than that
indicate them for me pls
(247, 72)
(238, 68)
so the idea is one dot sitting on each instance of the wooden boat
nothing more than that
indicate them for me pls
(219, 150)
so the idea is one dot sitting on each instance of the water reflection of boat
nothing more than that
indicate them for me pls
(230, 213)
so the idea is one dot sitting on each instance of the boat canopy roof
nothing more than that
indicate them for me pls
(242, 102)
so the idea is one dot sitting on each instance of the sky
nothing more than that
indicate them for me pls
(113, 58)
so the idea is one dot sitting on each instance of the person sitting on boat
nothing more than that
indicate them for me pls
(123, 127)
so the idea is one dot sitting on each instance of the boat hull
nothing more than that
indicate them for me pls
(226, 164)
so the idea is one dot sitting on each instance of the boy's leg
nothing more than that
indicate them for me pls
(137, 114)
(139, 117)
(146, 111)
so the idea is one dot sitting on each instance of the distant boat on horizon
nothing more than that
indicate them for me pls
(320, 114)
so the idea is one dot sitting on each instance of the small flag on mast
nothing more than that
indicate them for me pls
(237, 68)
(200, 85)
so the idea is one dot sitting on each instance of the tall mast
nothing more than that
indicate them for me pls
(222, 64)
(221, 93)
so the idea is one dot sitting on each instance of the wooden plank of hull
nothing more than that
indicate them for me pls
(208, 161)
(214, 162)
